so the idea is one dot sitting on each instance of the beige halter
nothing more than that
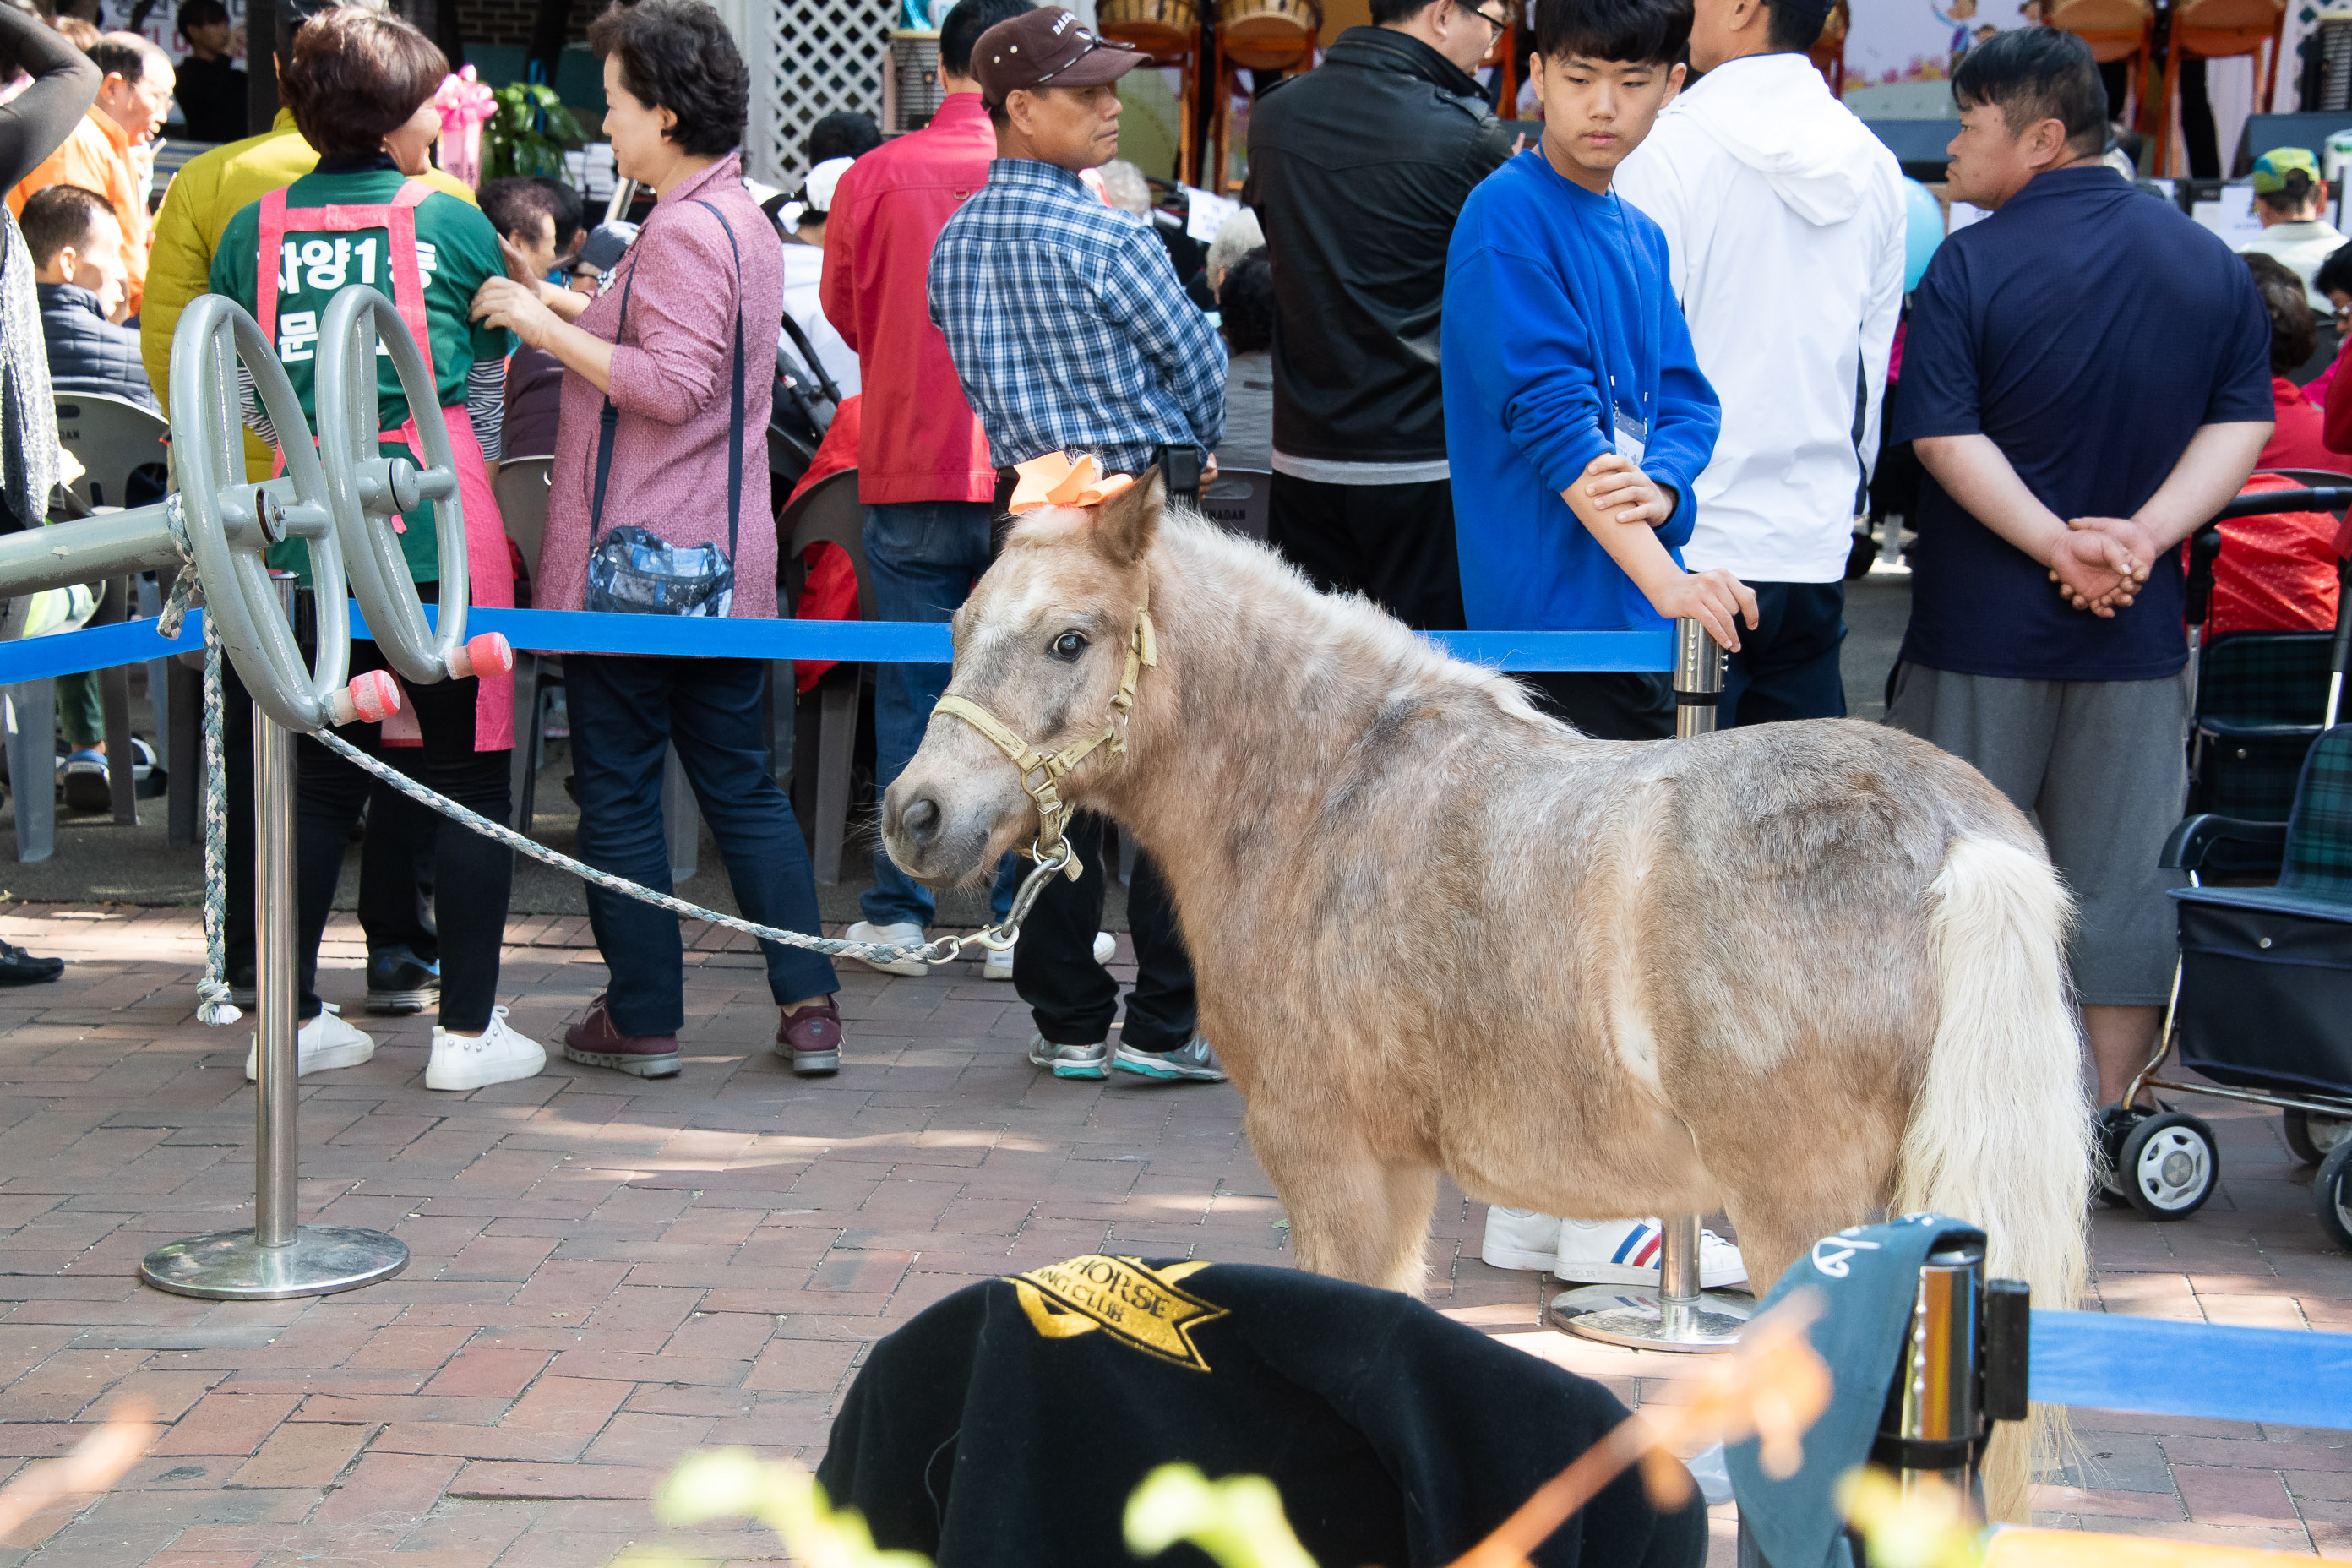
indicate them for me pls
(1041, 771)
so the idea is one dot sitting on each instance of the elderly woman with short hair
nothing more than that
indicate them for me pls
(360, 85)
(661, 458)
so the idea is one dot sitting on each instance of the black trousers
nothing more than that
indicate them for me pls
(1608, 705)
(395, 903)
(1392, 543)
(1786, 667)
(476, 874)
(1074, 998)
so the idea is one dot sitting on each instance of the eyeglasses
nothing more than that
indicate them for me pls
(1499, 28)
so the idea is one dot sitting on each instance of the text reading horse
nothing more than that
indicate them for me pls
(1435, 930)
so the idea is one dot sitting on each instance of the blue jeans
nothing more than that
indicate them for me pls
(922, 558)
(626, 713)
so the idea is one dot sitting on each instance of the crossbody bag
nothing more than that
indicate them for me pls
(631, 570)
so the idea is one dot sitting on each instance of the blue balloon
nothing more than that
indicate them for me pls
(1923, 230)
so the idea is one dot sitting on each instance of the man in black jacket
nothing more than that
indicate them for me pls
(1357, 171)
(80, 270)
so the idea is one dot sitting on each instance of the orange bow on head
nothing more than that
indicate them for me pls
(1055, 481)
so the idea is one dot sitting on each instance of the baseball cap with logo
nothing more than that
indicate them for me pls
(2272, 169)
(1048, 46)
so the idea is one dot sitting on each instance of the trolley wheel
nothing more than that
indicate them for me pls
(2111, 1127)
(2314, 1138)
(2169, 1165)
(2334, 1190)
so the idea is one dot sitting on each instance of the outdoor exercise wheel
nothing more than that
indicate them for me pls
(230, 523)
(371, 491)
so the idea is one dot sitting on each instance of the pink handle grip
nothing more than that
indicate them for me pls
(487, 655)
(368, 699)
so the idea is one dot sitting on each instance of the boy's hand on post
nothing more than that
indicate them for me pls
(1715, 600)
(1621, 492)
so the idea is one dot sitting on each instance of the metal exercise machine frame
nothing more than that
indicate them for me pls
(219, 528)
(348, 496)
(1676, 1314)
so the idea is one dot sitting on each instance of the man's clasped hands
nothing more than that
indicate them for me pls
(2100, 562)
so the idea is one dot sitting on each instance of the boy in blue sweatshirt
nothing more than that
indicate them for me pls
(1575, 418)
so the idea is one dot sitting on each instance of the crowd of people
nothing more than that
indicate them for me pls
(1635, 370)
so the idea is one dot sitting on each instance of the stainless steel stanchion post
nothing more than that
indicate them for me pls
(1935, 1415)
(1676, 1314)
(279, 1257)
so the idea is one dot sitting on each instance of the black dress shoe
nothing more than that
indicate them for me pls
(18, 967)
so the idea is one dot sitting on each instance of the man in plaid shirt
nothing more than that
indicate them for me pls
(1068, 328)
(1069, 332)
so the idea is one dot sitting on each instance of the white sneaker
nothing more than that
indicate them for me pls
(498, 1055)
(1626, 1252)
(995, 965)
(1106, 947)
(1070, 1061)
(1520, 1239)
(907, 933)
(326, 1042)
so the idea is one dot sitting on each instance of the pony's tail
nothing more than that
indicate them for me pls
(2001, 1131)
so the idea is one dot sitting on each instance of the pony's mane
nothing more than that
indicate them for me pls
(1350, 628)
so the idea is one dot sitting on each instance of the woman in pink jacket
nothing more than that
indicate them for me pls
(661, 461)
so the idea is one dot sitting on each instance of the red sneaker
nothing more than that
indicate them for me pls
(593, 1042)
(811, 1038)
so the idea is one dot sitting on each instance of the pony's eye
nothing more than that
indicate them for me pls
(1068, 646)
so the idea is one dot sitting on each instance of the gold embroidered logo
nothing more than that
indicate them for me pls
(1145, 1309)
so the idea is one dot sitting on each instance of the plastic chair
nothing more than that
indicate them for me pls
(2218, 30)
(110, 438)
(521, 489)
(1240, 501)
(828, 513)
(2116, 30)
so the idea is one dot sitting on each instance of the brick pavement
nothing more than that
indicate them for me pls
(607, 1272)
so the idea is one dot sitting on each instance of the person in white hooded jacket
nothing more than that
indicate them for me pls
(1784, 224)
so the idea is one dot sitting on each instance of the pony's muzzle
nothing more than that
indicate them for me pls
(933, 835)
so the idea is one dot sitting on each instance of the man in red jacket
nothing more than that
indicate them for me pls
(923, 470)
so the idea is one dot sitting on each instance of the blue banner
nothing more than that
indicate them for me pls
(2160, 1367)
(894, 642)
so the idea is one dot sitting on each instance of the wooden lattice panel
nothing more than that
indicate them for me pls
(808, 59)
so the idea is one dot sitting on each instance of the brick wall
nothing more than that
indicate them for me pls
(509, 21)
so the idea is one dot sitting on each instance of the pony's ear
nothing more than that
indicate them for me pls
(1125, 524)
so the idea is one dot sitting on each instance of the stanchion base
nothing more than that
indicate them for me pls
(230, 1266)
(1636, 1316)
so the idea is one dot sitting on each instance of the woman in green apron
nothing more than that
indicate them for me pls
(359, 84)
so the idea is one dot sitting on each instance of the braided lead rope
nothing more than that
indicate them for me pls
(187, 588)
(941, 949)
(213, 1002)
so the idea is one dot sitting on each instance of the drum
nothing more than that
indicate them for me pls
(1268, 35)
(1168, 30)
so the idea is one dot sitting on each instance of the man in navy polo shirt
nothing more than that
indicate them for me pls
(2085, 381)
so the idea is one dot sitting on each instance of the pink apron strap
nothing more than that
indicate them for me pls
(397, 218)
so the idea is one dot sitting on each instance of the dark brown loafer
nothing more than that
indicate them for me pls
(593, 1042)
(811, 1038)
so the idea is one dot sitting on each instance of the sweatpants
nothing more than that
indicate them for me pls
(2102, 767)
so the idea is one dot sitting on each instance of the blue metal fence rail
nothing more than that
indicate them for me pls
(897, 642)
